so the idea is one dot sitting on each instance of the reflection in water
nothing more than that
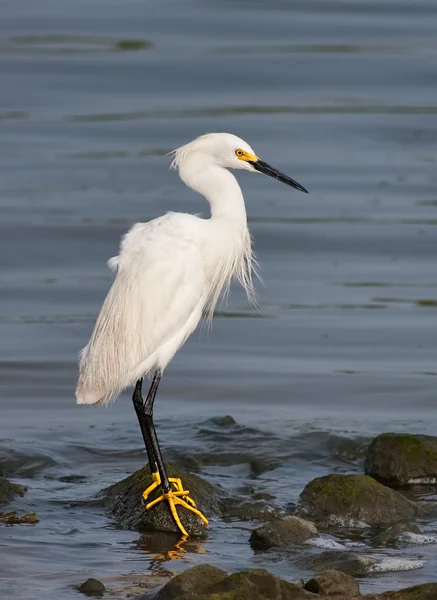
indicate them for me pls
(164, 547)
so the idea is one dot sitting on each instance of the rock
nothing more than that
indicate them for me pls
(427, 591)
(11, 518)
(354, 497)
(287, 531)
(9, 490)
(192, 581)
(248, 510)
(402, 459)
(255, 584)
(205, 582)
(123, 501)
(347, 562)
(334, 583)
(389, 537)
(92, 587)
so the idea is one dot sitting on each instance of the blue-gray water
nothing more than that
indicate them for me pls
(93, 94)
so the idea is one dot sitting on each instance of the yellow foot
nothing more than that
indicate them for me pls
(179, 496)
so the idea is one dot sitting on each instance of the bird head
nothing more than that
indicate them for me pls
(227, 151)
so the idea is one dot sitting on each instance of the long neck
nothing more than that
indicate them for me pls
(222, 191)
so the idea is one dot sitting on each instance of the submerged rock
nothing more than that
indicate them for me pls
(427, 591)
(390, 536)
(92, 587)
(354, 497)
(332, 560)
(334, 584)
(403, 459)
(284, 532)
(250, 510)
(198, 583)
(8, 490)
(123, 501)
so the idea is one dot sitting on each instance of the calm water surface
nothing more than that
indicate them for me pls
(340, 95)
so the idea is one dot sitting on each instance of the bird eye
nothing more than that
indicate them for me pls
(239, 152)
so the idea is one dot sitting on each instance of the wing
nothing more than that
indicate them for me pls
(159, 284)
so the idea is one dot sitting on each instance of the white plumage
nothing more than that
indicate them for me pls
(172, 270)
(169, 272)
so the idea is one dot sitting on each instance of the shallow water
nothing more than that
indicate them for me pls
(339, 95)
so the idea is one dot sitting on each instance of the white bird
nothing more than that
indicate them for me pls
(171, 271)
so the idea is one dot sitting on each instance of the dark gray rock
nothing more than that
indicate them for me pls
(356, 498)
(400, 459)
(427, 591)
(390, 536)
(334, 584)
(282, 533)
(92, 587)
(8, 490)
(123, 501)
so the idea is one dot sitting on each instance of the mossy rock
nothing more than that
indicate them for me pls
(205, 582)
(282, 533)
(400, 459)
(123, 501)
(192, 581)
(427, 591)
(8, 490)
(354, 498)
(254, 584)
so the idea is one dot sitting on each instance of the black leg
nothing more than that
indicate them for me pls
(150, 426)
(144, 410)
(178, 496)
(139, 403)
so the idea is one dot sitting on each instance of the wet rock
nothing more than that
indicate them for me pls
(248, 510)
(284, 532)
(224, 421)
(11, 518)
(92, 587)
(427, 591)
(205, 582)
(347, 562)
(354, 497)
(334, 584)
(8, 490)
(123, 501)
(256, 584)
(403, 459)
(390, 536)
(192, 581)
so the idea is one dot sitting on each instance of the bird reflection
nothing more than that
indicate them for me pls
(163, 547)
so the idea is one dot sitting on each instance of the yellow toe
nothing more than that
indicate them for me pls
(179, 497)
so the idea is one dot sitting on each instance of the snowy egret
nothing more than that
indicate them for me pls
(170, 271)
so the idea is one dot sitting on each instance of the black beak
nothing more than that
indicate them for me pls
(263, 167)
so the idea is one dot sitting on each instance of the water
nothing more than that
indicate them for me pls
(339, 95)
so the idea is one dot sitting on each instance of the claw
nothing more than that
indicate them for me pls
(179, 496)
(179, 487)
